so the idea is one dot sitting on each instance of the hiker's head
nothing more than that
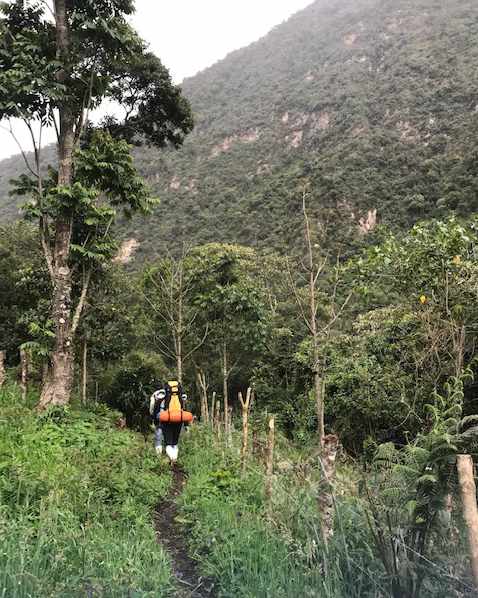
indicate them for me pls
(184, 397)
(162, 393)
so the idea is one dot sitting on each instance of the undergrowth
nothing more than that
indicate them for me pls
(76, 497)
(256, 552)
(260, 550)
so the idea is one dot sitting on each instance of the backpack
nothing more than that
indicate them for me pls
(173, 406)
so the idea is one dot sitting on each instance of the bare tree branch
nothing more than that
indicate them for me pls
(338, 314)
(25, 159)
(199, 345)
(81, 302)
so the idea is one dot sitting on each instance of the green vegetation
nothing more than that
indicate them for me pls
(360, 114)
(53, 72)
(257, 550)
(382, 361)
(383, 93)
(76, 501)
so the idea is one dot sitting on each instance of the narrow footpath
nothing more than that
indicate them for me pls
(172, 536)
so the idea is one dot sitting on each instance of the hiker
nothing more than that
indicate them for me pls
(173, 410)
(167, 406)
(156, 405)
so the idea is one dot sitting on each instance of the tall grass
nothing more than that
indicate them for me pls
(254, 552)
(259, 551)
(76, 496)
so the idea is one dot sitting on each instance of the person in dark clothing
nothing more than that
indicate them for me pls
(171, 399)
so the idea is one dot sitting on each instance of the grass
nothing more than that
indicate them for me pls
(76, 496)
(77, 493)
(256, 552)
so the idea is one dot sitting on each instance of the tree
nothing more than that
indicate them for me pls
(420, 332)
(167, 288)
(319, 316)
(432, 271)
(231, 305)
(56, 64)
(109, 327)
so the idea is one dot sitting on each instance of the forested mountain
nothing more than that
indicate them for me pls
(333, 402)
(371, 103)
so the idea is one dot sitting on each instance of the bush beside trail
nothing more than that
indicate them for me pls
(76, 502)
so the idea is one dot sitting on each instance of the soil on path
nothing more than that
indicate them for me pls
(172, 536)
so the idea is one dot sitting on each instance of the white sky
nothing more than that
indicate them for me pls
(190, 35)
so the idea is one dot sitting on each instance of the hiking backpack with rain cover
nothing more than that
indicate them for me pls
(173, 407)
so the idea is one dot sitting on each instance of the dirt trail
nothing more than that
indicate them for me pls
(172, 536)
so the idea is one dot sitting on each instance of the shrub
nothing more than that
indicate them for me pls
(129, 384)
(76, 496)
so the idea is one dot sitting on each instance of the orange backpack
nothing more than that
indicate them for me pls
(174, 412)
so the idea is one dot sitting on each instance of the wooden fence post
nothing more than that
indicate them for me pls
(270, 460)
(3, 355)
(218, 420)
(24, 366)
(466, 478)
(229, 427)
(245, 424)
(206, 411)
(203, 387)
(225, 416)
(213, 410)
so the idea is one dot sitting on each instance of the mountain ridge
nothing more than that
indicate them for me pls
(371, 105)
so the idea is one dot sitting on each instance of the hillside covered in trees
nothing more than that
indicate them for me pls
(372, 102)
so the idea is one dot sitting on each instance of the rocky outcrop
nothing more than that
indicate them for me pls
(244, 137)
(126, 251)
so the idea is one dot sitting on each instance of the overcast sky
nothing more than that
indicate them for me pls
(190, 35)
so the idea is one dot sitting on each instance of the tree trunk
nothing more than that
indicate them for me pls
(318, 389)
(44, 372)
(325, 498)
(57, 389)
(179, 361)
(270, 460)
(85, 371)
(466, 478)
(24, 368)
(3, 355)
(313, 276)
(315, 340)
